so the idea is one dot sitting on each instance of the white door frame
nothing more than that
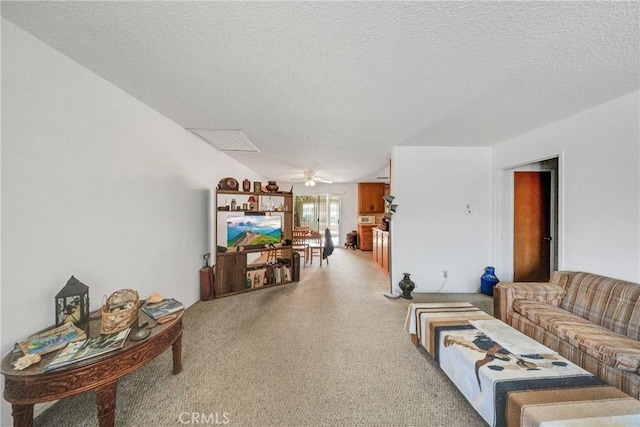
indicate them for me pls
(503, 238)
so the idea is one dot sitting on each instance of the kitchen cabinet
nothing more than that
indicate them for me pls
(365, 237)
(370, 197)
(381, 244)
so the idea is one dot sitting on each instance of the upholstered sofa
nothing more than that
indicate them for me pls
(592, 320)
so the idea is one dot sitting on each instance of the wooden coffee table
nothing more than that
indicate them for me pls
(25, 388)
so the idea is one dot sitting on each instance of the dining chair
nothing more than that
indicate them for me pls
(274, 255)
(315, 248)
(299, 243)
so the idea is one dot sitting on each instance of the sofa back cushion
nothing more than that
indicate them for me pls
(616, 350)
(612, 303)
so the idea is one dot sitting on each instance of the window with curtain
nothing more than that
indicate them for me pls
(318, 212)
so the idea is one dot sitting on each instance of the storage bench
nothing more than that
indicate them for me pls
(509, 378)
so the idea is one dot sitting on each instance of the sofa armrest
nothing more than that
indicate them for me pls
(504, 294)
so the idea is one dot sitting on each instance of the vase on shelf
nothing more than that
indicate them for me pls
(246, 185)
(272, 187)
(488, 280)
(407, 285)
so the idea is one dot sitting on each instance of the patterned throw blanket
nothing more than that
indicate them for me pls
(512, 389)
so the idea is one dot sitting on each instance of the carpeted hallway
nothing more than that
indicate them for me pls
(329, 350)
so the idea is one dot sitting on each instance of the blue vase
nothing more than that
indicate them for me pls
(488, 281)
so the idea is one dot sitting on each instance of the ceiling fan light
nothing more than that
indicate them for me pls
(309, 182)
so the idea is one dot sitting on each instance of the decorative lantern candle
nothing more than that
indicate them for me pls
(72, 303)
(253, 205)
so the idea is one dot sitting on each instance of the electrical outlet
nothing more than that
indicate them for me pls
(468, 210)
(445, 274)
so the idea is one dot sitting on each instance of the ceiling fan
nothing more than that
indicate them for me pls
(310, 179)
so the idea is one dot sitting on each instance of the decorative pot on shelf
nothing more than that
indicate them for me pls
(246, 185)
(488, 280)
(272, 187)
(407, 285)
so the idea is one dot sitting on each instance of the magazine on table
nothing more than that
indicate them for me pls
(91, 347)
(52, 340)
(163, 308)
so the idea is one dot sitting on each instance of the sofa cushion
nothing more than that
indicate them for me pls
(611, 348)
(612, 303)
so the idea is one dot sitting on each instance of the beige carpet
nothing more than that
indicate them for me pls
(329, 350)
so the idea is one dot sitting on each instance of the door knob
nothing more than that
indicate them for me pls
(548, 239)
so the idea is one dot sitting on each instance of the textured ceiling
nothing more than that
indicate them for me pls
(332, 86)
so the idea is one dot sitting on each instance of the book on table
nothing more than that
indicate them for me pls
(163, 308)
(88, 348)
(52, 339)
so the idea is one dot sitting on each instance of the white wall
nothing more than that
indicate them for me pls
(430, 230)
(599, 186)
(94, 184)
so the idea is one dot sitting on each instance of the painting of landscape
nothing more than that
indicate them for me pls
(253, 230)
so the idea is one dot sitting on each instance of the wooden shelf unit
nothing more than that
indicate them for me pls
(248, 268)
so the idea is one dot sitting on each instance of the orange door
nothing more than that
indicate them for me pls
(532, 227)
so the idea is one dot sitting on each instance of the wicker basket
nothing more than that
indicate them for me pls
(120, 311)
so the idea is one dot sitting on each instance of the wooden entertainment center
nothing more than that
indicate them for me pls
(242, 268)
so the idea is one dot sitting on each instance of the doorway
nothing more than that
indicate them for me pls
(535, 221)
(318, 212)
(531, 226)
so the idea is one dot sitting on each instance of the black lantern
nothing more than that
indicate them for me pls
(72, 303)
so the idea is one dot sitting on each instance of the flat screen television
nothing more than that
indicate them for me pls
(253, 230)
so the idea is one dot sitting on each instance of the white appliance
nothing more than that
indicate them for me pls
(366, 219)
